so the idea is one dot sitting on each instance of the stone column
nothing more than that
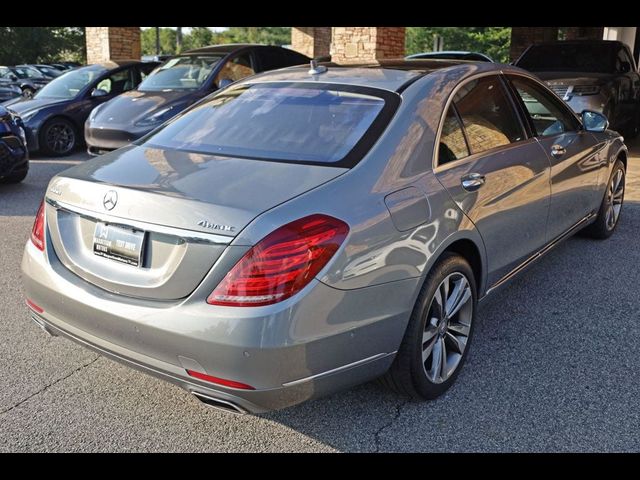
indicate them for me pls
(522, 37)
(112, 43)
(366, 44)
(311, 41)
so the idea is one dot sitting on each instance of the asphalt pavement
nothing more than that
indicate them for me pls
(554, 366)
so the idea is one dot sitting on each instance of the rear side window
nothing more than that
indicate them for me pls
(300, 123)
(487, 115)
(453, 145)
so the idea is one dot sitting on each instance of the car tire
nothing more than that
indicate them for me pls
(28, 92)
(415, 371)
(58, 137)
(611, 206)
(15, 177)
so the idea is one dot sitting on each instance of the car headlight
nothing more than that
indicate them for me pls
(586, 90)
(157, 118)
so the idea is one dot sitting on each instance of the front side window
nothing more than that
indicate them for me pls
(290, 122)
(118, 83)
(185, 72)
(236, 69)
(69, 84)
(546, 115)
(27, 72)
(487, 114)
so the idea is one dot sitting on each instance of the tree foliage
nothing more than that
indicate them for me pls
(492, 41)
(41, 44)
(201, 36)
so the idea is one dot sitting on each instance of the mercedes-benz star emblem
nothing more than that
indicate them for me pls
(110, 199)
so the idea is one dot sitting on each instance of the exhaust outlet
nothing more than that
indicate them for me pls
(219, 404)
(43, 325)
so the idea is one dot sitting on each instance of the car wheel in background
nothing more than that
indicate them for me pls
(28, 92)
(611, 206)
(436, 341)
(58, 137)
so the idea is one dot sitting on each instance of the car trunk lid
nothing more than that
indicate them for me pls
(189, 206)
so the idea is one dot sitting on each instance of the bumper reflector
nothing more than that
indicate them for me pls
(219, 381)
(34, 307)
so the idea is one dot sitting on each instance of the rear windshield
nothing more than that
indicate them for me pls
(293, 122)
(592, 58)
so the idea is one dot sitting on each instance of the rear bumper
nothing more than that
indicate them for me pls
(322, 342)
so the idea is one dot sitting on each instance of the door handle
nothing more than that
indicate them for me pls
(472, 182)
(558, 150)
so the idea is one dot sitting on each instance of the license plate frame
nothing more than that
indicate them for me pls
(118, 243)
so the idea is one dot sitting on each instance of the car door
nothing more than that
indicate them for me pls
(575, 157)
(495, 173)
(112, 84)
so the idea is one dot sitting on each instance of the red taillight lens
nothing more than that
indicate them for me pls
(37, 232)
(282, 263)
(219, 381)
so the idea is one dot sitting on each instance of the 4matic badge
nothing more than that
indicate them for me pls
(216, 226)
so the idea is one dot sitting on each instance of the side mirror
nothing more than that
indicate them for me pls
(594, 121)
(98, 92)
(625, 67)
(13, 78)
(224, 82)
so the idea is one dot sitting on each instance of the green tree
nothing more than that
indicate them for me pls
(167, 41)
(41, 44)
(198, 37)
(263, 35)
(492, 41)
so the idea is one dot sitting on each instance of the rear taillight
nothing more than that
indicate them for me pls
(37, 232)
(282, 263)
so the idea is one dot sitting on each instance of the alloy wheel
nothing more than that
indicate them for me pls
(60, 138)
(447, 327)
(615, 196)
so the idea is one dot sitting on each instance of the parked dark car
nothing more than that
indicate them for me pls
(452, 55)
(599, 75)
(9, 90)
(14, 159)
(29, 79)
(48, 71)
(178, 83)
(54, 117)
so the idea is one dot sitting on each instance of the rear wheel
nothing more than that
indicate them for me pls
(611, 206)
(58, 137)
(436, 342)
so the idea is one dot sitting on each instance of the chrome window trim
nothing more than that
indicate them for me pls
(191, 236)
(474, 156)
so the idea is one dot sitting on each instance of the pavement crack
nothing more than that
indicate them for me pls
(46, 387)
(388, 424)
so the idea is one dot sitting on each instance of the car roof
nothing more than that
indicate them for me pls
(391, 74)
(580, 42)
(112, 64)
(224, 48)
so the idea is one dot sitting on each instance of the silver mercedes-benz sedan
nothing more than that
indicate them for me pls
(306, 230)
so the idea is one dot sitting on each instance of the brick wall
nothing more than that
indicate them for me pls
(522, 37)
(584, 33)
(311, 41)
(364, 44)
(112, 43)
